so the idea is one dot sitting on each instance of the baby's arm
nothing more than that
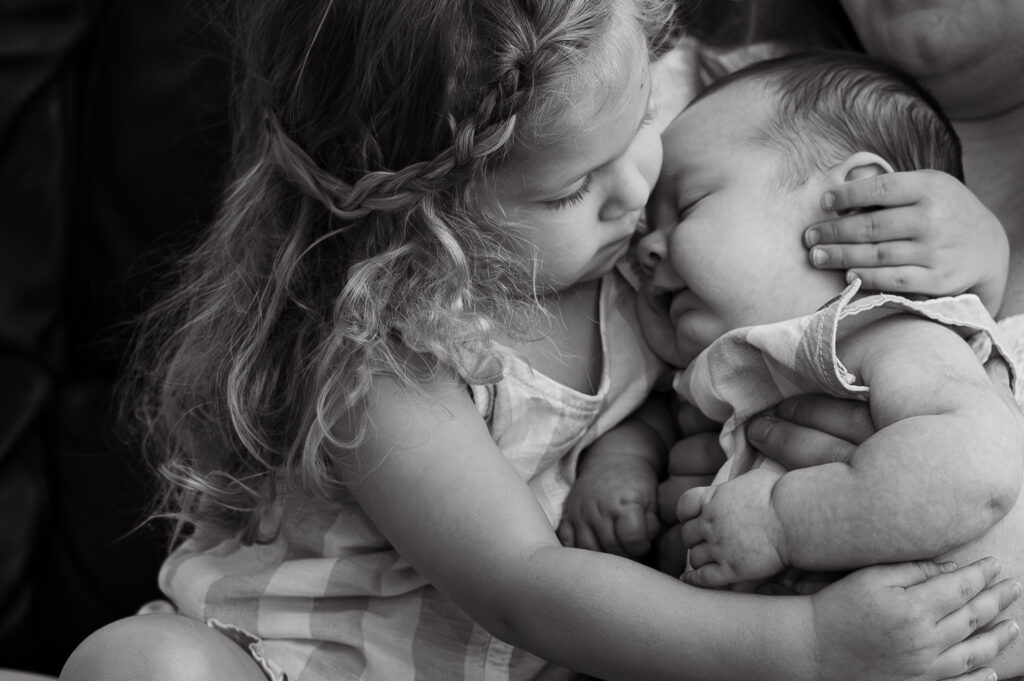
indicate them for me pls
(438, 488)
(612, 505)
(943, 467)
(913, 232)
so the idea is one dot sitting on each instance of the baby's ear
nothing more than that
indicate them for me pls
(858, 166)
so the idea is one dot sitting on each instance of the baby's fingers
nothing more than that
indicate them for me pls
(884, 254)
(964, 661)
(709, 576)
(691, 503)
(866, 227)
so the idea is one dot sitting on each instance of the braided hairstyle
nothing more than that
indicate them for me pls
(349, 237)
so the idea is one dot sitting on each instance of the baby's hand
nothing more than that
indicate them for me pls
(913, 232)
(612, 506)
(732, 531)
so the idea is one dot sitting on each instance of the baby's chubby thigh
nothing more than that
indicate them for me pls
(1005, 542)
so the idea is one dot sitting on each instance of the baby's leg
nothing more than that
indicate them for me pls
(1005, 541)
(159, 647)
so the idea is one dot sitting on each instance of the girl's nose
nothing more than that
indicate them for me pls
(653, 248)
(632, 189)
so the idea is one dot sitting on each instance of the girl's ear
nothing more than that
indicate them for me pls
(858, 166)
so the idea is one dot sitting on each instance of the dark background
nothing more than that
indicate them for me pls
(112, 143)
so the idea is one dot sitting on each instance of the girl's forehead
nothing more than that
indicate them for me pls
(606, 86)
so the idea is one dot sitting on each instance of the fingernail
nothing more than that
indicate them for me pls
(811, 237)
(759, 428)
(948, 566)
(819, 257)
(1017, 590)
(828, 199)
(1014, 630)
(991, 677)
(851, 276)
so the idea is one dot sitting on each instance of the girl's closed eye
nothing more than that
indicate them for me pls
(577, 196)
(573, 198)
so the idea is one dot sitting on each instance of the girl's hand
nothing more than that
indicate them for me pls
(913, 232)
(924, 621)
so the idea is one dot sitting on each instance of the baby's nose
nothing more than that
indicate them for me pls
(653, 248)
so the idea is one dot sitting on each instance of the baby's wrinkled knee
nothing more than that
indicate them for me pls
(158, 647)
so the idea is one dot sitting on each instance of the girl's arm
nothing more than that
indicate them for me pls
(943, 468)
(452, 505)
(922, 231)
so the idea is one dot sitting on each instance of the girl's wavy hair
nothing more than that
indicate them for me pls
(349, 236)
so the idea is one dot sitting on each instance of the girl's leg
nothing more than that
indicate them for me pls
(159, 647)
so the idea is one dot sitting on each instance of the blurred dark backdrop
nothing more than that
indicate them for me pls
(112, 143)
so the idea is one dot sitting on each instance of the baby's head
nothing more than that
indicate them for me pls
(745, 166)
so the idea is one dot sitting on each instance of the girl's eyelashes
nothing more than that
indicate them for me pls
(571, 199)
(648, 116)
(577, 196)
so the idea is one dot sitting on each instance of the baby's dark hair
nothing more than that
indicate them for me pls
(834, 103)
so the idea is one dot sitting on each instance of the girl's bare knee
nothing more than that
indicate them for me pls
(159, 647)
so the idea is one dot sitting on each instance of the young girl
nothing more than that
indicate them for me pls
(374, 382)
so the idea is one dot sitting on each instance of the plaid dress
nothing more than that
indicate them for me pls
(331, 599)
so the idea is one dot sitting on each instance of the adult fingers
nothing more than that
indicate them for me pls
(796, 446)
(699, 454)
(889, 189)
(884, 254)
(671, 552)
(965, 660)
(848, 420)
(980, 610)
(896, 279)
(672, 488)
(865, 227)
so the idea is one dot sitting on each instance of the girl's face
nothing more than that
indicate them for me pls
(574, 204)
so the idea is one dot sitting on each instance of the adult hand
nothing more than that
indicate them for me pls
(692, 462)
(913, 621)
(808, 430)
